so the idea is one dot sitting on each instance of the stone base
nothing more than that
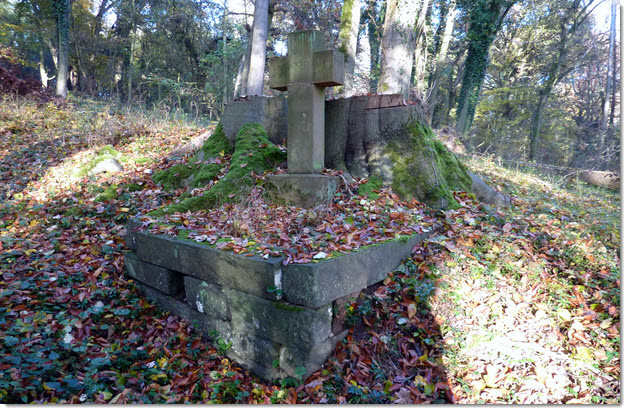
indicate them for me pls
(272, 335)
(303, 190)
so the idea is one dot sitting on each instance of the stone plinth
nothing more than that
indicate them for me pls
(303, 190)
(274, 335)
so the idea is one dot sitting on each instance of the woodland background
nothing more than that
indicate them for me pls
(523, 80)
(515, 305)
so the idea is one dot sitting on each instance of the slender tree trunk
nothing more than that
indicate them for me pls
(485, 20)
(554, 75)
(238, 80)
(63, 28)
(420, 50)
(609, 75)
(259, 35)
(225, 78)
(397, 47)
(129, 74)
(375, 19)
(43, 74)
(440, 58)
(349, 26)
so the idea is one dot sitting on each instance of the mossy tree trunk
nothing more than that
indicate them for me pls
(395, 145)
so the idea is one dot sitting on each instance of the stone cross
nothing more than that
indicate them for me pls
(304, 72)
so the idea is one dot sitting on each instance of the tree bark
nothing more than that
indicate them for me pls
(259, 35)
(375, 18)
(609, 75)
(129, 96)
(485, 20)
(397, 47)
(349, 26)
(440, 58)
(420, 50)
(63, 27)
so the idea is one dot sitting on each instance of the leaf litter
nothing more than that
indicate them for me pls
(497, 306)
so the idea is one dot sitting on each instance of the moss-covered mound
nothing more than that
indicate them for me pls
(202, 168)
(253, 152)
(105, 153)
(423, 168)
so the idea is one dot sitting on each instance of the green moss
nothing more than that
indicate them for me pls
(173, 177)
(106, 152)
(110, 193)
(253, 153)
(448, 172)
(289, 308)
(133, 187)
(143, 160)
(217, 145)
(375, 182)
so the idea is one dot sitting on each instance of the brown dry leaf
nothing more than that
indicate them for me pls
(402, 396)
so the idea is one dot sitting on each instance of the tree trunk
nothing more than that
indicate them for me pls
(609, 74)
(554, 75)
(259, 35)
(420, 50)
(225, 78)
(397, 47)
(129, 96)
(349, 26)
(440, 58)
(375, 18)
(63, 28)
(484, 22)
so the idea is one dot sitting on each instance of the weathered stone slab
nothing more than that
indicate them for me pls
(291, 359)
(317, 284)
(291, 325)
(270, 112)
(208, 298)
(253, 275)
(302, 190)
(253, 348)
(131, 232)
(201, 322)
(306, 129)
(165, 280)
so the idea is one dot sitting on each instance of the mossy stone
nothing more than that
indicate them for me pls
(110, 193)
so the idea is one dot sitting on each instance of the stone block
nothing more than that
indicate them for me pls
(253, 348)
(131, 232)
(208, 298)
(279, 73)
(160, 278)
(292, 358)
(204, 323)
(306, 128)
(302, 190)
(329, 68)
(291, 325)
(253, 275)
(270, 112)
(317, 284)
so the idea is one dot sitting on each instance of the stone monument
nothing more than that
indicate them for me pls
(304, 73)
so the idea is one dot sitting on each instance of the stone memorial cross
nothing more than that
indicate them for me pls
(304, 72)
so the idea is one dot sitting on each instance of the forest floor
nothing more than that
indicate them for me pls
(497, 306)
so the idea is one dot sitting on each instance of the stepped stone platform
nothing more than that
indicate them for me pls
(274, 335)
